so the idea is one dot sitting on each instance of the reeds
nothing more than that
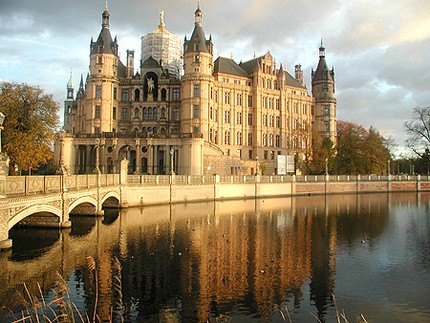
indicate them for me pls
(61, 309)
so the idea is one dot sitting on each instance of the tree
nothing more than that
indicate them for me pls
(302, 142)
(418, 131)
(361, 151)
(30, 124)
(323, 149)
(349, 158)
(376, 153)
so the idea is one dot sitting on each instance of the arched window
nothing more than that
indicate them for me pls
(155, 113)
(145, 114)
(163, 94)
(136, 95)
(136, 113)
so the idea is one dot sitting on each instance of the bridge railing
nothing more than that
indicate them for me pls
(28, 185)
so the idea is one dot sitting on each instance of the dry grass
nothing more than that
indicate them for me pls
(61, 309)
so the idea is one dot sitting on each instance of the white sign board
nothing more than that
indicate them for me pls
(290, 164)
(285, 164)
(281, 164)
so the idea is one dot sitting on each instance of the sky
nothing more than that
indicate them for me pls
(379, 48)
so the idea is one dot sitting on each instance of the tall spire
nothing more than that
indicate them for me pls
(70, 84)
(199, 15)
(105, 17)
(322, 49)
(161, 26)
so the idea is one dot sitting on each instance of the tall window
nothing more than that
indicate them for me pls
(227, 97)
(175, 95)
(239, 99)
(326, 110)
(97, 112)
(239, 138)
(98, 91)
(278, 122)
(278, 141)
(145, 114)
(175, 114)
(115, 93)
(227, 137)
(125, 95)
(196, 111)
(249, 100)
(271, 140)
(239, 118)
(114, 113)
(196, 90)
(227, 116)
(249, 138)
(249, 119)
(264, 139)
(124, 114)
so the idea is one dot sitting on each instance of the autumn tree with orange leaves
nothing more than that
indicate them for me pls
(31, 119)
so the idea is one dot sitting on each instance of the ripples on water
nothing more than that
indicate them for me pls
(238, 261)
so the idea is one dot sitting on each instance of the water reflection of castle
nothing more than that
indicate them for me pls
(189, 262)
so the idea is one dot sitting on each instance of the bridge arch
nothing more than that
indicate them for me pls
(82, 200)
(110, 195)
(43, 208)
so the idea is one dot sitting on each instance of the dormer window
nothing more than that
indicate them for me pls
(196, 48)
(197, 58)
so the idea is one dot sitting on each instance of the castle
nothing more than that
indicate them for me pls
(185, 113)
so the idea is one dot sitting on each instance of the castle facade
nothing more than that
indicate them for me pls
(185, 112)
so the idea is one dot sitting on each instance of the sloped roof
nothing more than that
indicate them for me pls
(291, 81)
(198, 37)
(228, 66)
(251, 65)
(322, 72)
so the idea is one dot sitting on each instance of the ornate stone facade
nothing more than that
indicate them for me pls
(219, 117)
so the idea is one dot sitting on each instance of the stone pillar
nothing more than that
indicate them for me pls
(124, 171)
(123, 181)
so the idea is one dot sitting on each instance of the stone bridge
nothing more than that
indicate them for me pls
(47, 201)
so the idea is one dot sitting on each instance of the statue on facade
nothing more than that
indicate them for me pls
(150, 85)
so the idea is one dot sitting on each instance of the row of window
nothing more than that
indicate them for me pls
(147, 114)
(269, 140)
(271, 103)
(125, 94)
(303, 109)
(271, 121)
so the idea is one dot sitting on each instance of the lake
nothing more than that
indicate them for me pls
(234, 261)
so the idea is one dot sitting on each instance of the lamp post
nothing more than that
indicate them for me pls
(326, 166)
(2, 116)
(389, 167)
(172, 153)
(1, 127)
(256, 165)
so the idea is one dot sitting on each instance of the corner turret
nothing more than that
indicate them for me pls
(323, 91)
